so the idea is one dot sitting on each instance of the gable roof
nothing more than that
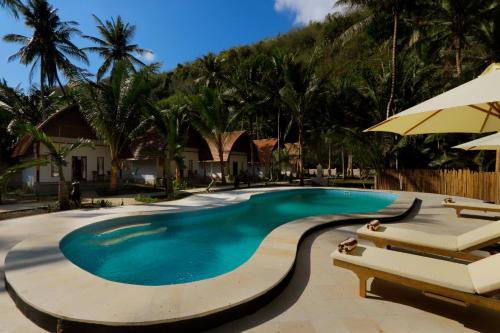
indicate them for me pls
(67, 122)
(232, 141)
(265, 148)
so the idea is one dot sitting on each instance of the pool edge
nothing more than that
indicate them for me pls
(303, 227)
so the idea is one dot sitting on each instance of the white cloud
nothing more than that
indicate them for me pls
(148, 56)
(306, 10)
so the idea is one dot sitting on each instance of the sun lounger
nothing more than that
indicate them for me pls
(459, 247)
(481, 206)
(457, 283)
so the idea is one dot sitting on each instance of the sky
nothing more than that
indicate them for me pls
(177, 31)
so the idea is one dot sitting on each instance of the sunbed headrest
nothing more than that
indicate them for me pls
(479, 235)
(485, 274)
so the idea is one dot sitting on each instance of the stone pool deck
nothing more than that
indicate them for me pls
(319, 298)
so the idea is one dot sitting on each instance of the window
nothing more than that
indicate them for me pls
(190, 165)
(54, 171)
(100, 166)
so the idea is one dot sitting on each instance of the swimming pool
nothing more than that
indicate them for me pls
(184, 247)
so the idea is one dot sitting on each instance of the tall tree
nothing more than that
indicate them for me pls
(49, 48)
(395, 8)
(170, 119)
(452, 24)
(212, 117)
(57, 155)
(301, 94)
(115, 107)
(115, 45)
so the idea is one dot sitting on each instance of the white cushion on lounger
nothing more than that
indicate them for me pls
(446, 242)
(479, 235)
(473, 205)
(485, 274)
(434, 271)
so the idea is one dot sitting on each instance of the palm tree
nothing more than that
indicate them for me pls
(115, 108)
(301, 94)
(212, 117)
(11, 5)
(49, 48)
(487, 32)
(24, 107)
(57, 155)
(452, 24)
(169, 117)
(396, 8)
(115, 45)
(247, 80)
(211, 71)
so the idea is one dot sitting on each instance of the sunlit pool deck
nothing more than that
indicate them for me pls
(316, 297)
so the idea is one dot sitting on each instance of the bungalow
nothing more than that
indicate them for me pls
(146, 162)
(265, 149)
(65, 127)
(237, 155)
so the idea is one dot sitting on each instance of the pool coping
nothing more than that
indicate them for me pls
(58, 290)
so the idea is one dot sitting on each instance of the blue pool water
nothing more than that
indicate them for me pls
(184, 247)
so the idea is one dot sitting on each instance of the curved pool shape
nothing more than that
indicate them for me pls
(184, 247)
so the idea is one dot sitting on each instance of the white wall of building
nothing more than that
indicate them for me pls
(46, 174)
(147, 171)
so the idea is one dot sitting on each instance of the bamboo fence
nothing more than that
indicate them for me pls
(464, 183)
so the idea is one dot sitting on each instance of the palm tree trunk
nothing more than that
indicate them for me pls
(221, 161)
(166, 173)
(251, 149)
(458, 60)
(62, 196)
(168, 180)
(42, 94)
(343, 164)
(301, 151)
(113, 182)
(393, 61)
(279, 145)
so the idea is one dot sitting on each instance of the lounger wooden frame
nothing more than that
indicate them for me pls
(430, 290)
(459, 206)
(465, 254)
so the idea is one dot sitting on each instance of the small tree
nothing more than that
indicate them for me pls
(57, 156)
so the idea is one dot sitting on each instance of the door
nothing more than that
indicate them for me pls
(79, 168)
(235, 168)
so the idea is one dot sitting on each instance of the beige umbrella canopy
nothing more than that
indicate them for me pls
(490, 142)
(473, 107)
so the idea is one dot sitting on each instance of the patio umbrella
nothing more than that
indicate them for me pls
(473, 107)
(490, 142)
